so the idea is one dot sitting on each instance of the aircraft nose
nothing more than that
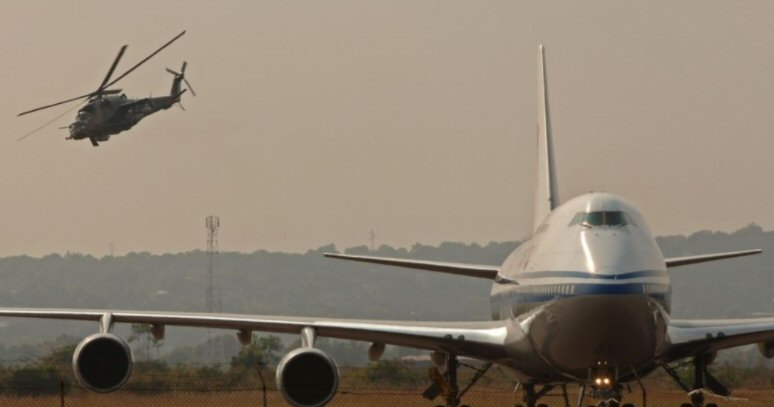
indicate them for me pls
(609, 252)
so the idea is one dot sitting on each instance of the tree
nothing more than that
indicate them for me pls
(142, 334)
(35, 380)
(263, 351)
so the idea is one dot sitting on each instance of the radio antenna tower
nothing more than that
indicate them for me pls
(212, 302)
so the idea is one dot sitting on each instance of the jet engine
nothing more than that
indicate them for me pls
(766, 349)
(307, 377)
(102, 362)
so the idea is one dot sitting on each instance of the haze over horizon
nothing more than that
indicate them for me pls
(317, 122)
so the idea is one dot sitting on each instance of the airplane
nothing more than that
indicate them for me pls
(585, 301)
(108, 111)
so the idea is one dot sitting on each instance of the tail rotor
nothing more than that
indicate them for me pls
(181, 76)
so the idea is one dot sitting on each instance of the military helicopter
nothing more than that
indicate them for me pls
(108, 111)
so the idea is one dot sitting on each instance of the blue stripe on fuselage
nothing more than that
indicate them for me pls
(526, 297)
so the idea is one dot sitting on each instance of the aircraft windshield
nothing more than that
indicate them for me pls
(83, 115)
(602, 218)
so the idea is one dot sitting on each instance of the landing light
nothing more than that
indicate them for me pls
(600, 381)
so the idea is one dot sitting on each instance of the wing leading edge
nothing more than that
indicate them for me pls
(477, 339)
(690, 337)
(470, 270)
(684, 261)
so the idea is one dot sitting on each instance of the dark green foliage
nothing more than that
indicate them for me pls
(263, 351)
(34, 381)
(147, 347)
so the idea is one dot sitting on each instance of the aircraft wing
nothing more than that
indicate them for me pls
(689, 337)
(137, 105)
(477, 339)
(470, 270)
(684, 261)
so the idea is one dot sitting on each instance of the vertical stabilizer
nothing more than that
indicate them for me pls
(545, 190)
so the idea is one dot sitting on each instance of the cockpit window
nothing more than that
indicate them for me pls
(601, 218)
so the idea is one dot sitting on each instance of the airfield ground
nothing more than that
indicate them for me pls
(370, 398)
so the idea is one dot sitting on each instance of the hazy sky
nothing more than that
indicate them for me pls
(318, 121)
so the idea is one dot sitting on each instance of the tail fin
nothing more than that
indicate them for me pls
(179, 77)
(545, 189)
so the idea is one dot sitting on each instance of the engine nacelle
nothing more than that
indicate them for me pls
(102, 362)
(307, 377)
(766, 349)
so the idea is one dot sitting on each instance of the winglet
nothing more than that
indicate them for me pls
(545, 189)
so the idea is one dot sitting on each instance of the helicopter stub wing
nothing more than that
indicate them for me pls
(140, 105)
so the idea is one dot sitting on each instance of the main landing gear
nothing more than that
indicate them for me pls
(531, 396)
(447, 385)
(702, 379)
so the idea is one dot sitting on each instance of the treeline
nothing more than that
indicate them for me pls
(254, 368)
(276, 283)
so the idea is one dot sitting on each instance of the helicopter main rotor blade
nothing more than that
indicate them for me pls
(55, 104)
(112, 68)
(46, 124)
(144, 60)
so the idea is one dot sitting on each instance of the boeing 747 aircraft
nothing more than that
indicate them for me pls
(585, 301)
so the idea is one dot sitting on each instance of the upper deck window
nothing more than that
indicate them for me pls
(601, 218)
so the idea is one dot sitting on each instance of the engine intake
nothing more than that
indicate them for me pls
(766, 349)
(102, 362)
(307, 377)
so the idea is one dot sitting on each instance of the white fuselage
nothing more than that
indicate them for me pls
(589, 289)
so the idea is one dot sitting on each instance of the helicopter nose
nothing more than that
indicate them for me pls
(76, 130)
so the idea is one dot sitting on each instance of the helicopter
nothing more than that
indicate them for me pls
(109, 111)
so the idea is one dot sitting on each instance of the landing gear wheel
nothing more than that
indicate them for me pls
(697, 399)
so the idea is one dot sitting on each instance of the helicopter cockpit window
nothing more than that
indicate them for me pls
(602, 218)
